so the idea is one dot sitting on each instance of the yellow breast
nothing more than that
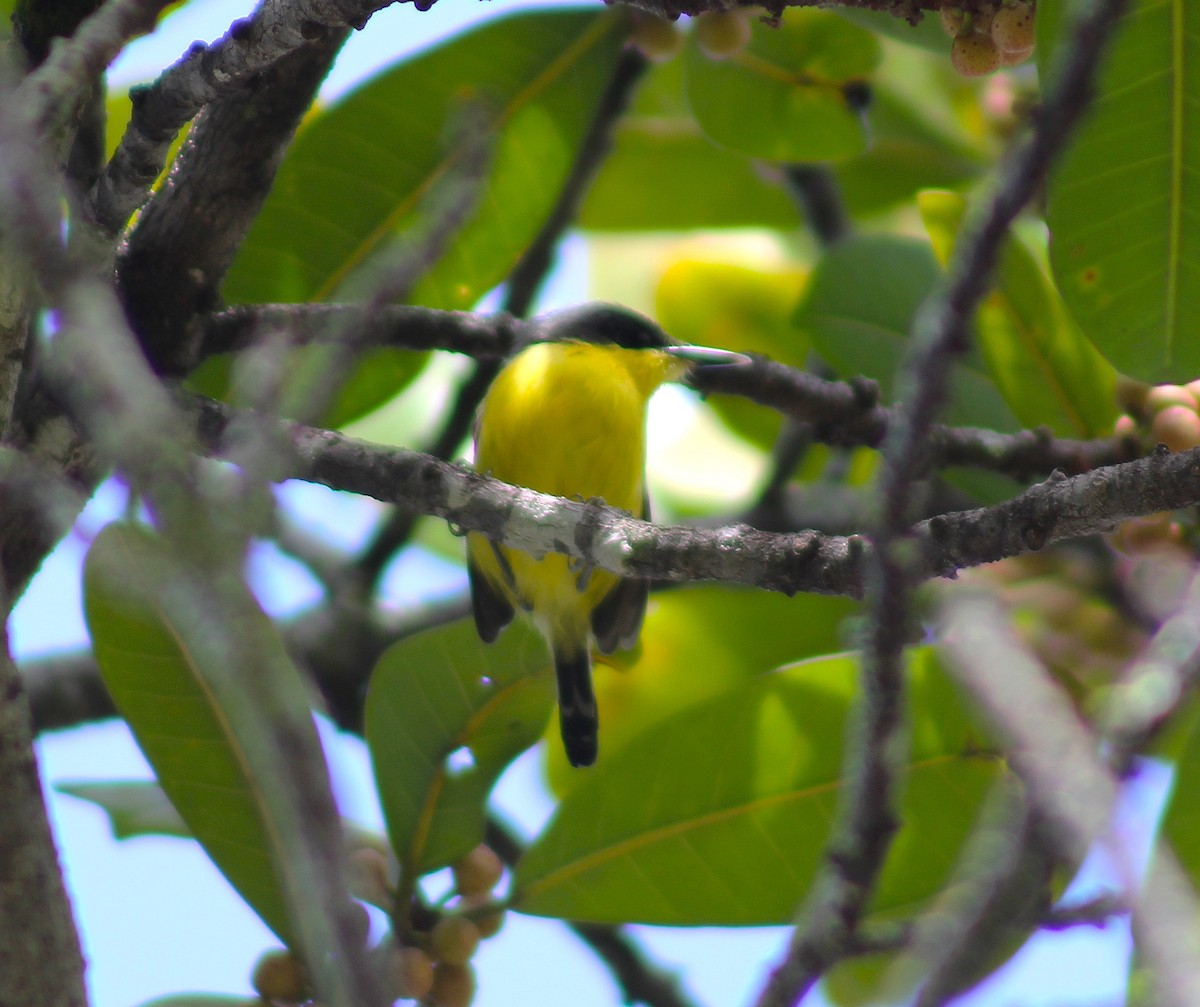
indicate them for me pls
(567, 419)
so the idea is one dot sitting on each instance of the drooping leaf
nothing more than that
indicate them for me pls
(1122, 201)
(719, 815)
(1047, 372)
(445, 715)
(865, 334)
(784, 97)
(136, 808)
(151, 672)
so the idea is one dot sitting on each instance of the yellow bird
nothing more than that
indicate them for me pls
(567, 416)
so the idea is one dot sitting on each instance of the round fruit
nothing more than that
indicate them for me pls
(1178, 427)
(656, 38)
(411, 971)
(974, 54)
(453, 985)
(1015, 57)
(723, 33)
(1161, 397)
(490, 923)
(1012, 28)
(369, 879)
(1151, 533)
(281, 978)
(453, 940)
(952, 20)
(479, 871)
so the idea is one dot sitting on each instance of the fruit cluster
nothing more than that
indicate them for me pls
(995, 33)
(433, 965)
(719, 34)
(1061, 603)
(1171, 413)
(1157, 414)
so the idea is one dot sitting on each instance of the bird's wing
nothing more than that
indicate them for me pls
(492, 610)
(617, 620)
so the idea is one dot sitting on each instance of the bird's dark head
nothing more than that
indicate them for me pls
(610, 324)
(600, 323)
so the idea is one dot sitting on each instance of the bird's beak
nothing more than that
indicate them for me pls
(707, 356)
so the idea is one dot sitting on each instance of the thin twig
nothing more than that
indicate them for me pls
(868, 817)
(842, 413)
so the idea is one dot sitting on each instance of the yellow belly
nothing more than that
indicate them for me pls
(561, 418)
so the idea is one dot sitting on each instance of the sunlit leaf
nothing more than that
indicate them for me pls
(151, 672)
(784, 97)
(445, 715)
(1122, 202)
(741, 308)
(720, 814)
(1047, 372)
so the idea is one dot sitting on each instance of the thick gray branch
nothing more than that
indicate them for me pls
(204, 75)
(1058, 509)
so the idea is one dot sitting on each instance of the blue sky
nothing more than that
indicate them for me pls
(155, 915)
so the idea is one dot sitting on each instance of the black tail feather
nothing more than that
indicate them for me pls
(577, 716)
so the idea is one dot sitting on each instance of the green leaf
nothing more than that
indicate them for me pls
(698, 641)
(1181, 820)
(926, 33)
(356, 176)
(1047, 372)
(150, 670)
(859, 334)
(664, 174)
(136, 808)
(434, 698)
(1122, 202)
(783, 97)
(719, 815)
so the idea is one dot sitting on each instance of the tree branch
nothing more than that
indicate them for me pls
(40, 958)
(187, 235)
(841, 413)
(251, 48)
(1058, 509)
